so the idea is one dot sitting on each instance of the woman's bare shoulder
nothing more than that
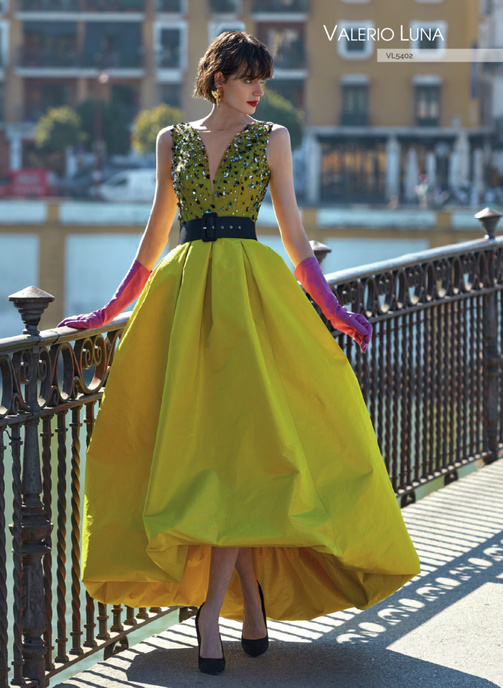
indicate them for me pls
(279, 145)
(165, 135)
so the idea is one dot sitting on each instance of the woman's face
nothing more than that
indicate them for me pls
(241, 92)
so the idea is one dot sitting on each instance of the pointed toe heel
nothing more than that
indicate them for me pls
(257, 647)
(208, 665)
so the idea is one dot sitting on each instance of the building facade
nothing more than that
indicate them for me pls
(371, 127)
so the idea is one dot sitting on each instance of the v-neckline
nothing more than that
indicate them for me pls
(223, 156)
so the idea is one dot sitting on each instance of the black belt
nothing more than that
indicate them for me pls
(211, 226)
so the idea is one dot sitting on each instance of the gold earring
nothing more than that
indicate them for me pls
(217, 95)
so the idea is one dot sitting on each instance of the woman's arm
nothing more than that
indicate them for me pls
(279, 158)
(152, 243)
(162, 215)
(307, 269)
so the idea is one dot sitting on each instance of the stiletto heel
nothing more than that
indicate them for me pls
(257, 647)
(208, 665)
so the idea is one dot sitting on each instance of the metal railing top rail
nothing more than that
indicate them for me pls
(412, 259)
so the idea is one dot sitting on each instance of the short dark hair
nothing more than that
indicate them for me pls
(232, 52)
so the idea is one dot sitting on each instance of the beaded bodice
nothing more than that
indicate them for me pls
(241, 178)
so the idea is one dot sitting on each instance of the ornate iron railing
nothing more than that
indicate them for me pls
(430, 379)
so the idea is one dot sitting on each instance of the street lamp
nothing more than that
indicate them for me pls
(99, 143)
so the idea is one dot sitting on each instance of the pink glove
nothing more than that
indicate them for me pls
(309, 274)
(127, 291)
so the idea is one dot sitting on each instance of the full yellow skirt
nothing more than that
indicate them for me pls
(231, 417)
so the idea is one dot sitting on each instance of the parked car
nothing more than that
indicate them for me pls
(29, 182)
(130, 185)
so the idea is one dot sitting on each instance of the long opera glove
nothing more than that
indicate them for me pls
(127, 291)
(309, 274)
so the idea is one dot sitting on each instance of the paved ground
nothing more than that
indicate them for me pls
(444, 629)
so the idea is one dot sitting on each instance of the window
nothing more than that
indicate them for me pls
(280, 5)
(216, 28)
(4, 46)
(286, 43)
(171, 45)
(290, 89)
(127, 95)
(175, 6)
(428, 36)
(171, 94)
(48, 44)
(225, 6)
(353, 41)
(354, 104)
(427, 105)
(112, 45)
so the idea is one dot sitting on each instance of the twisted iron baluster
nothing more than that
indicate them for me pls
(406, 400)
(380, 376)
(395, 398)
(90, 624)
(4, 657)
(441, 416)
(388, 382)
(480, 394)
(463, 372)
(428, 400)
(61, 640)
(419, 392)
(46, 435)
(76, 632)
(17, 557)
(452, 388)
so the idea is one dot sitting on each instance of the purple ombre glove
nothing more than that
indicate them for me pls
(309, 274)
(127, 291)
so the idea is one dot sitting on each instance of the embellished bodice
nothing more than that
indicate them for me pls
(241, 178)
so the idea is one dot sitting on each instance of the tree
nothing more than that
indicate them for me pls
(275, 108)
(148, 123)
(114, 124)
(58, 128)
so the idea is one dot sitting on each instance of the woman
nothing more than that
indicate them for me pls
(233, 443)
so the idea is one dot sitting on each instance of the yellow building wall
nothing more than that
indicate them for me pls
(391, 92)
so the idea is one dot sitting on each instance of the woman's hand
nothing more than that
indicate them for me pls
(128, 290)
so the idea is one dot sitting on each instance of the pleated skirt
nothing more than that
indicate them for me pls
(232, 418)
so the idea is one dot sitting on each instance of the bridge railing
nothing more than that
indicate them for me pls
(430, 379)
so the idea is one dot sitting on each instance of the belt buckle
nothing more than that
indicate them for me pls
(209, 227)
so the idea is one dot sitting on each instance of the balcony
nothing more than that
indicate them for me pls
(170, 6)
(44, 60)
(224, 6)
(280, 6)
(354, 119)
(91, 6)
(48, 59)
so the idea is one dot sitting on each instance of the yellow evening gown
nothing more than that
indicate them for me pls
(231, 417)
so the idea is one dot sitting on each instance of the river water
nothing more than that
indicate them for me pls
(95, 265)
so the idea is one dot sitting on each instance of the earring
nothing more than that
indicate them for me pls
(217, 95)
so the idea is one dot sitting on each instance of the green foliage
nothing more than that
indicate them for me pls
(275, 108)
(148, 123)
(114, 124)
(58, 128)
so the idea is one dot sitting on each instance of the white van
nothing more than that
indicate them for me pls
(130, 185)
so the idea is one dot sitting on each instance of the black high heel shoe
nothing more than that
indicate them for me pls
(257, 647)
(208, 665)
